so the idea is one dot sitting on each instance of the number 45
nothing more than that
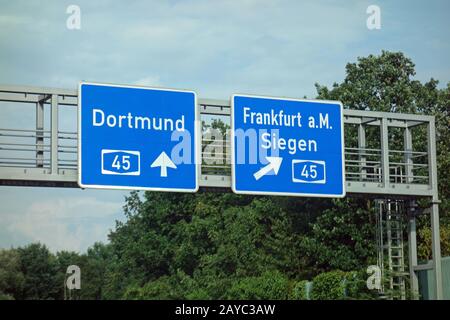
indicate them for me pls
(124, 163)
(311, 173)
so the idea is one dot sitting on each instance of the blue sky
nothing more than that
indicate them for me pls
(216, 48)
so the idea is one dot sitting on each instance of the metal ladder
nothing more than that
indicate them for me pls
(391, 259)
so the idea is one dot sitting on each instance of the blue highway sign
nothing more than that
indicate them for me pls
(137, 138)
(287, 146)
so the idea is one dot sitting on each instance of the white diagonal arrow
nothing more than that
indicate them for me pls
(163, 161)
(274, 164)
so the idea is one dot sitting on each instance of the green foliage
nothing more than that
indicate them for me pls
(381, 83)
(341, 237)
(334, 285)
(270, 285)
(424, 240)
(385, 83)
(299, 290)
(329, 286)
(39, 268)
(33, 272)
(158, 289)
(210, 238)
(11, 276)
(441, 110)
(94, 268)
(356, 286)
(177, 286)
(4, 296)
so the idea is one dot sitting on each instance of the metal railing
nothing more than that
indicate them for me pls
(49, 154)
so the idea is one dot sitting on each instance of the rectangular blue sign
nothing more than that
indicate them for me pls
(137, 138)
(287, 146)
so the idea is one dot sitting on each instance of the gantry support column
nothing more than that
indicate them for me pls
(412, 236)
(435, 234)
(412, 251)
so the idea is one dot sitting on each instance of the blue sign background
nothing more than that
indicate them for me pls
(144, 102)
(329, 149)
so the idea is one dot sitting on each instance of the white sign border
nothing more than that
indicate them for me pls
(274, 193)
(112, 187)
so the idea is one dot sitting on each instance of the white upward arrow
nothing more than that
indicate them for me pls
(274, 164)
(163, 161)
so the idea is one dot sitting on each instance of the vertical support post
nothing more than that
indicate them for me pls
(408, 155)
(362, 152)
(412, 235)
(381, 246)
(54, 134)
(389, 242)
(40, 134)
(436, 249)
(412, 252)
(435, 234)
(384, 152)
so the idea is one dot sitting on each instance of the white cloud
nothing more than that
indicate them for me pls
(213, 48)
(7, 21)
(73, 223)
(150, 81)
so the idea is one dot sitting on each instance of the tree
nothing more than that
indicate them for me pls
(64, 259)
(11, 277)
(424, 240)
(270, 285)
(385, 83)
(342, 237)
(382, 83)
(39, 268)
(210, 238)
(94, 270)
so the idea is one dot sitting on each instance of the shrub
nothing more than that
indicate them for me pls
(329, 286)
(162, 288)
(132, 293)
(356, 286)
(270, 285)
(4, 296)
(299, 290)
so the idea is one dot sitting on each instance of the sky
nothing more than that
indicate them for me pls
(216, 48)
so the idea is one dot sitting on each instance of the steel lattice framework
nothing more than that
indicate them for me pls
(374, 166)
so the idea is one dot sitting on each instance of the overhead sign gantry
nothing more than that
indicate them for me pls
(46, 155)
